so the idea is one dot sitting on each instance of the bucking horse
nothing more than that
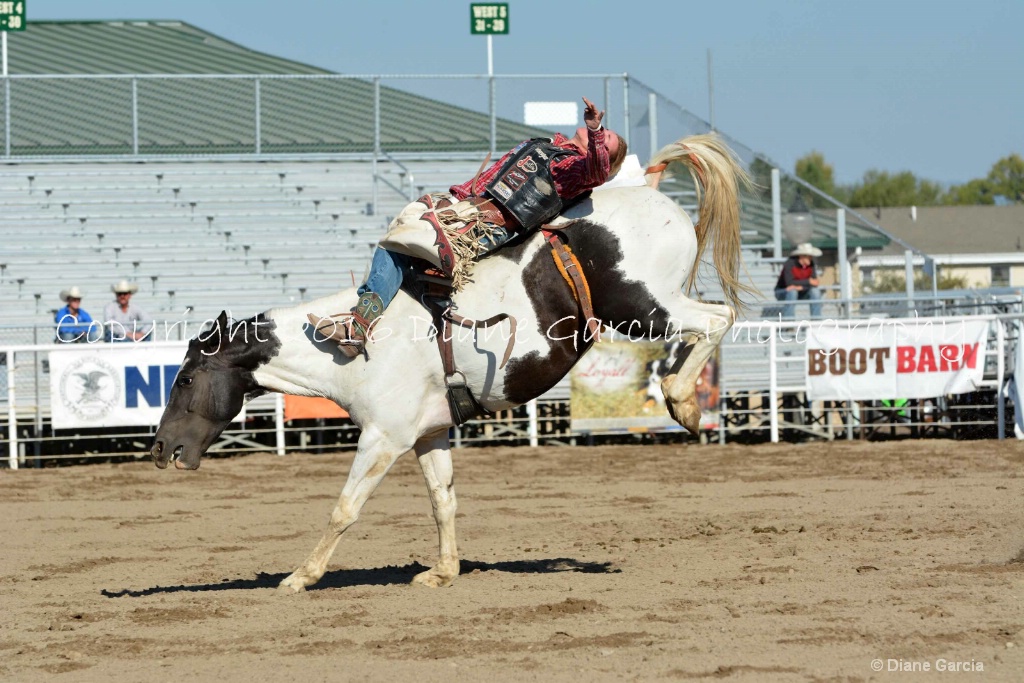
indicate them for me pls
(637, 251)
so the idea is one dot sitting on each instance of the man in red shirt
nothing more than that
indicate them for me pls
(526, 188)
(799, 280)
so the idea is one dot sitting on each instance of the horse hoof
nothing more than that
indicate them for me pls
(290, 586)
(431, 579)
(686, 413)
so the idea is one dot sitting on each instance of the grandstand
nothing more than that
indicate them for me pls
(215, 177)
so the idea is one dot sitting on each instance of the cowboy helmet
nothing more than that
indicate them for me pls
(73, 293)
(124, 287)
(806, 249)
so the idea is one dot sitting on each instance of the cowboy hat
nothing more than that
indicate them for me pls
(806, 249)
(123, 287)
(73, 293)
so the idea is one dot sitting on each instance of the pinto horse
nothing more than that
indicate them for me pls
(638, 251)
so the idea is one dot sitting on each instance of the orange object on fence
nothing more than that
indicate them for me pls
(308, 408)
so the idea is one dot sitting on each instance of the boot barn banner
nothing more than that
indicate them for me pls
(111, 385)
(617, 387)
(887, 359)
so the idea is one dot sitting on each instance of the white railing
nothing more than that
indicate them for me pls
(27, 397)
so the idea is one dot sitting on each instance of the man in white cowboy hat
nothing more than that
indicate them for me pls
(126, 321)
(73, 323)
(799, 280)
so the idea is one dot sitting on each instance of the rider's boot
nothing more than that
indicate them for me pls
(351, 331)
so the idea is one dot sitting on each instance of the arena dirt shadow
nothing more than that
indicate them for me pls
(379, 576)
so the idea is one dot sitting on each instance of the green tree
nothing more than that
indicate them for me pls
(977, 191)
(889, 282)
(1007, 177)
(813, 168)
(880, 188)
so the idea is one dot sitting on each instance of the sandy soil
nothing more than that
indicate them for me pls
(769, 563)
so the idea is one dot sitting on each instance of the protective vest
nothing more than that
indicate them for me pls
(524, 186)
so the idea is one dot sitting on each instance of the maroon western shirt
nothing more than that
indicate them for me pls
(573, 174)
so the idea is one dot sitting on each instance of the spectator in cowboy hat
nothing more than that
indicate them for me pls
(74, 324)
(124, 320)
(799, 280)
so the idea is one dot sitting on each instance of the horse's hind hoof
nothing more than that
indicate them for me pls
(435, 578)
(291, 586)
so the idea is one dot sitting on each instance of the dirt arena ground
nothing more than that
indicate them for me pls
(767, 563)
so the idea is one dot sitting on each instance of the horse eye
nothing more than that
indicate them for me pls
(184, 381)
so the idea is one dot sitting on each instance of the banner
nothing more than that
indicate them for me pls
(111, 385)
(890, 359)
(617, 387)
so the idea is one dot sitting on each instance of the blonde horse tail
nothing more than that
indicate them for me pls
(717, 175)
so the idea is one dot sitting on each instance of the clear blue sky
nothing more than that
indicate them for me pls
(933, 87)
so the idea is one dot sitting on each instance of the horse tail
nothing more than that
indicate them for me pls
(717, 175)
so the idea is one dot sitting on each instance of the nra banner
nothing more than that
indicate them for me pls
(111, 385)
(887, 359)
(617, 387)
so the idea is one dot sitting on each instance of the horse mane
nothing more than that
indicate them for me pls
(717, 175)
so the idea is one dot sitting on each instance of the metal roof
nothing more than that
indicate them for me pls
(756, 215)
(311, 114)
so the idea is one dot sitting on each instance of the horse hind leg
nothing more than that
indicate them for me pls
(708, 323)
(435, 459)
(374, 457)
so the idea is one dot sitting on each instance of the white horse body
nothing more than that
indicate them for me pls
(637, 249)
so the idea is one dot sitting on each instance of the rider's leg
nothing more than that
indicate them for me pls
(385, 279)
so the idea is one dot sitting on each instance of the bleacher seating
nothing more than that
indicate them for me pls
(239, 235)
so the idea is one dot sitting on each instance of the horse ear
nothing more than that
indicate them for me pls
(222, 321)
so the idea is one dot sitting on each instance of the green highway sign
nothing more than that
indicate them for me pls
(12, 15)
(487, 18)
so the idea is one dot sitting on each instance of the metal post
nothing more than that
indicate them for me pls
(7, 117)
(625, 108)
(259, 132)
(776, 214)
(652, 119)
(12, 415)
(773, 386)
(493, 107)
(37, 367)
(711, 92)
(531, 413)
(908, 270)
(849, 420)
(376, 140)
(607, 99)
(1000, 378)
(135, 116)
(845, 286)
(279, 422)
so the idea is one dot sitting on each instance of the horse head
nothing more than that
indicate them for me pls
(214, 381)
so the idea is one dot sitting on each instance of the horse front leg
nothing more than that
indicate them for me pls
(709, 323)
(374, 457)
(435, 456)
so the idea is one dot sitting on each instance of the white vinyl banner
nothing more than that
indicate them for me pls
(111, 385)
(889, 359)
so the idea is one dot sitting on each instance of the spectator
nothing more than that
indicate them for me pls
(799, 280)
(74, 324)
(126, 321)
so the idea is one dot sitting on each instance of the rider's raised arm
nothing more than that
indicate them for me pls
(576, 174)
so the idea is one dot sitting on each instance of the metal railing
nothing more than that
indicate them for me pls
(763, 395)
